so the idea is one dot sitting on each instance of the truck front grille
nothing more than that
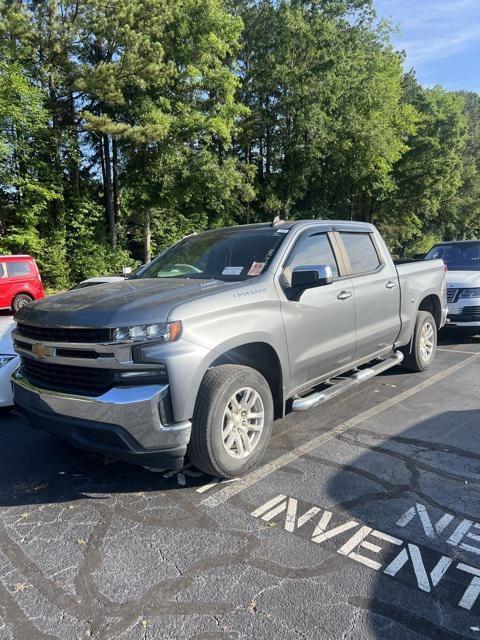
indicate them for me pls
(61, 334)
(88, 381)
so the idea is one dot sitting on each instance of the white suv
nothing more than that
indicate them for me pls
(463, 281)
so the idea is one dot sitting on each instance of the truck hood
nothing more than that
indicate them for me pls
(125, 303)
(459, 279)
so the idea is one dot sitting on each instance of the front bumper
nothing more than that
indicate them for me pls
(464, 312)
(124, 423)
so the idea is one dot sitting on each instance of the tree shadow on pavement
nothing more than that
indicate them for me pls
(36, 468)
(420, 473)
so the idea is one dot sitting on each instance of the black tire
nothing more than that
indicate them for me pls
(206, 449)
(21, 300)
(414, 359)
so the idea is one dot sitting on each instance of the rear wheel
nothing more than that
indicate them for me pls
(420, 354)
(233, 421)
(21, 300)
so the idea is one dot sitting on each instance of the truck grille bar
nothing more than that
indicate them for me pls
(89, 381)
(62, 334)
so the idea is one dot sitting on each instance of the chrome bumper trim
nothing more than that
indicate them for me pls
(135, 409)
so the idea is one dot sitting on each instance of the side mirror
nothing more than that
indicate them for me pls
(308, 277)
(126, 271)
(419, 256)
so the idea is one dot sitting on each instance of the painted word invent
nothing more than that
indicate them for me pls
(461, 534)
(365, 544)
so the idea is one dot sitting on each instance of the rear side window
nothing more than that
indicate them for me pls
(361, 252)
(314, 250)
(2, 271)
(20, 268)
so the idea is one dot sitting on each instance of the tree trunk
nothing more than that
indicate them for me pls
(75, 170)
(108, 191)
(116, 188)
(148, 237)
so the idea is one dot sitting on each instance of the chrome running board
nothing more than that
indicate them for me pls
(316, 398)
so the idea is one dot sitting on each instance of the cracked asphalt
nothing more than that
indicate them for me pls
(362, 523)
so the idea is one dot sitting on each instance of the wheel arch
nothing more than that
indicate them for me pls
(262, 357)
(433, 305)
(22, 292)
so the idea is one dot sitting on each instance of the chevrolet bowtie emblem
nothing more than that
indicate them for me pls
(42, 351)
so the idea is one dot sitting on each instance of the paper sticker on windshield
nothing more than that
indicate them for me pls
(256, 269)
(282, 230)
(232, 271)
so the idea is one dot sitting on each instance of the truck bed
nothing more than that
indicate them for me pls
(417, 279)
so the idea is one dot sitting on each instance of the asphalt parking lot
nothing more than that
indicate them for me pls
(363, 522)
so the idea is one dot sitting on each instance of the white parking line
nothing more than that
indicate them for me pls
(456, 350)
(262, 472)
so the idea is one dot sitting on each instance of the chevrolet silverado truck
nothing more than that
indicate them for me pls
(219, 336)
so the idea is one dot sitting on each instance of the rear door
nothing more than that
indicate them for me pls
(4, 302)
(377, 292)
(320, 326)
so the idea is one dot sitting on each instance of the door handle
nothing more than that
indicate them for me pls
(391, 283)
(344, 295)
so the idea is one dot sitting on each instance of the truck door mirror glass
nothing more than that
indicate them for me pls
(308, 277)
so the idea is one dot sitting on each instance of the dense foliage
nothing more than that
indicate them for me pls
(126, 125)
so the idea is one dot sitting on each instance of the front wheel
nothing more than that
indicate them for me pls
(232, 423)
(20, 300)
(420, 353)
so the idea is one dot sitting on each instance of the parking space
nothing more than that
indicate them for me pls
(363, 522)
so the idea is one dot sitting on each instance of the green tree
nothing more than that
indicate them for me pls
(460, 215)
(26, 188)
(326, 122)
(186, 177)
(429, 175)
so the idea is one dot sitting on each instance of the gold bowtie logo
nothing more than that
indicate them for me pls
(42, 351)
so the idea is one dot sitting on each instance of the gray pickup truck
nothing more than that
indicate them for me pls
(219, 336)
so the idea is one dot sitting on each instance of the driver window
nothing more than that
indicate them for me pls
(310, 250)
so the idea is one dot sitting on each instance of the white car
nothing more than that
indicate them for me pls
(127, 273)
(91, 282)
(9, 360)
(463, 281)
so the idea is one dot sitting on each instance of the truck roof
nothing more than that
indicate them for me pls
(289, 224)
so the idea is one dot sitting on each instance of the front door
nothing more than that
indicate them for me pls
(320, 325)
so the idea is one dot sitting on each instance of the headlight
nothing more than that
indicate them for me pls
(5, 360)
(163, 332)
(474, 292)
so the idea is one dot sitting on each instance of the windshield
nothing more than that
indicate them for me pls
(458, 256)
(223, 254)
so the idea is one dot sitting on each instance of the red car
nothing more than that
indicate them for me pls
(20, 282)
